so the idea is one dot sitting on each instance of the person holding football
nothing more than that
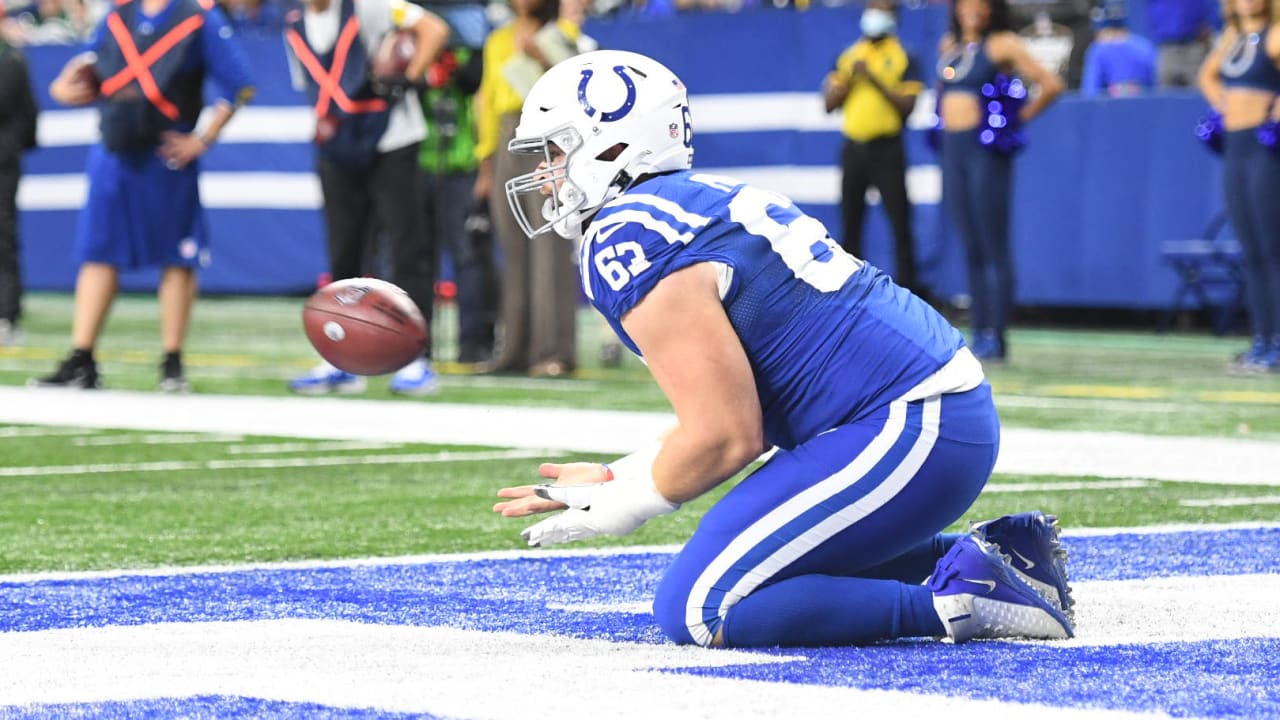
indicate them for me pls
(148, 61)
(752, 320)
(367, 154)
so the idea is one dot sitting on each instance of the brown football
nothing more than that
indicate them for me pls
(391, 59)
(364, 326)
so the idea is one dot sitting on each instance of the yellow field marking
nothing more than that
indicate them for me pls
(1110, 392)
(1240, 396)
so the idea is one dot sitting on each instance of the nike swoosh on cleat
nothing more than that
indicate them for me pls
(990, 585)
(1023, 558)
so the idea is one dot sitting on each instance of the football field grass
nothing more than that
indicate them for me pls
(76, 499)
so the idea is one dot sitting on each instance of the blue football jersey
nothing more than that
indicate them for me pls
(829, 336)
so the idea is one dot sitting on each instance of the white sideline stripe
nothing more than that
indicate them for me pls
(162, 439)
(446, 672)
(1069, 485)
(1171, 528)
(26, 432)
(221, 190)
(175, 570)
(1147, 611)
(269, 463)
(719, 113)
(270, 448)
(252, 124)
(1023, 451)
(218, 190)
(1232, 502)
(820, 185)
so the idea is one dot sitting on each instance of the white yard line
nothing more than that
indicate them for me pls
(1004, 487)
(293, 447)
(447, 672)
(1023, 451)
(160, 439)
(269, 463)
(35, 432)
(1232, 502)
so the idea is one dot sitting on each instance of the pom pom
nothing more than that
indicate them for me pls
(1209, 131)
(1268, 135)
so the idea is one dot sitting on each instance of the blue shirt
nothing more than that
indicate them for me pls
(1120, 67)
(829, 337)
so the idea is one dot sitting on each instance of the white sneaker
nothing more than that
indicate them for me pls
(10, 334)
(324, 379)
(416, 378)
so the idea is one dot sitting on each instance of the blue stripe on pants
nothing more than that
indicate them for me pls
(845, 501)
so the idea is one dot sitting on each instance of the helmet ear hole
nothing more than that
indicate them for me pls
(610, 154)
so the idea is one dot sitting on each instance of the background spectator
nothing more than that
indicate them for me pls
(539, 278)
(1181, 30)
(1241, 80)
(255, 17)
(17, 135)
(977, 176)
(876, 83)
(457, 222)
(1117, 63)
(49, 22)
(367, 158)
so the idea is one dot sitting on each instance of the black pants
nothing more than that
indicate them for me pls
(1250, 182)
(386, 195)
(447, 201)
(10, 272)
(882, 164)
(976, 187)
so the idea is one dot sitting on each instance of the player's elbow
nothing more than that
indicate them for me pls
(737, 446)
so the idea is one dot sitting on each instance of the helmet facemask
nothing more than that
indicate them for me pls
(560, 207)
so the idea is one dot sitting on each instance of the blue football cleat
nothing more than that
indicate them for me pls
(978, 596)
(324, 379)
(416, 378)
(1030, 540)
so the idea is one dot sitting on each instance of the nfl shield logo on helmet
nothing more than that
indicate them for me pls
(673, 130)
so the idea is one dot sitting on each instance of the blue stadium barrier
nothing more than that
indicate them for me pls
(1101, 186)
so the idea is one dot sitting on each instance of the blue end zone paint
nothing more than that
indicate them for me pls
(1213, 678)
(1224, 678)
(208, 707)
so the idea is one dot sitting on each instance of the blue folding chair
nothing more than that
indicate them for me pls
(1210, 273)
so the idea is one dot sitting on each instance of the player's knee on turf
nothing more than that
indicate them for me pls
(669, 609)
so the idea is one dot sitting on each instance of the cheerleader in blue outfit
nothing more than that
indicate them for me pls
(1241, 80)
(151, 58)
(977, 161)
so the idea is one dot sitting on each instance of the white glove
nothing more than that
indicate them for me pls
(614, 508)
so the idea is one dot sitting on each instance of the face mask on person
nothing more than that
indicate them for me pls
(877, 23)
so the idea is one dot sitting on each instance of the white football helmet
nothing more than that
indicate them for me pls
(586, 106)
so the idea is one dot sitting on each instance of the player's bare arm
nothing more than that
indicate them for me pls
(700, 364)
(432, 33)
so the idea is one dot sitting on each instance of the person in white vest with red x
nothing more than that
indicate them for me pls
(367, 155)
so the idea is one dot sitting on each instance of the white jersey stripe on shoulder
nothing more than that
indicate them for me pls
(639, 216)
(659, 203)
(766, 526)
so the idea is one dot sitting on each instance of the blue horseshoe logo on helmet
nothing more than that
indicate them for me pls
(608, 115)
